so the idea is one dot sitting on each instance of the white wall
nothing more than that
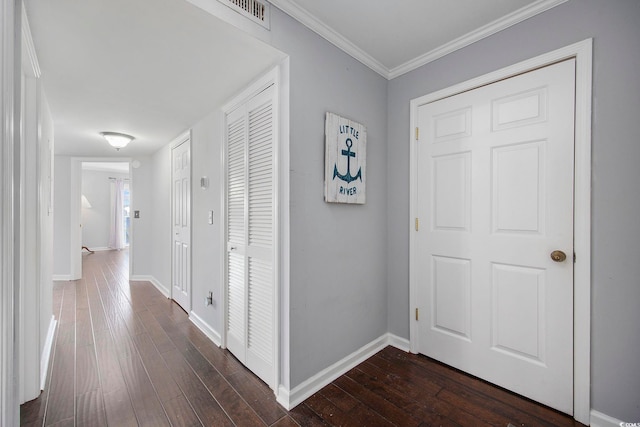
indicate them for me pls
(35, 235)
(29, 308)
(46, 146)
(61, 213)
(160, 194)
(96, 187)
(35, 324)
(614, 27)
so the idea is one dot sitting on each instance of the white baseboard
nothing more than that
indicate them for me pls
(283, 397)
(61, 277)
(598, 419)
(46, 352)
(399, 343)
(291, 398)
(206, 329)
(100, 249)
(155, 282)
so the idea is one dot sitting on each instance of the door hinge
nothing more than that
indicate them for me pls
(417, 313)
(417, 224)
(417, 133)
(574, 257)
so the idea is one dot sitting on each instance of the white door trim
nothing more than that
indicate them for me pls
(184, 137)
(9, 73)
(582, 52)
(281, 228)
(30, 226)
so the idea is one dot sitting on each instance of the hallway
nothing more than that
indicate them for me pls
(122, 337)
(124, 355)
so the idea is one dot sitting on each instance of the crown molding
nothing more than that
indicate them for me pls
(314, 24)
(476, 35)
(332, 36)
(29, 48)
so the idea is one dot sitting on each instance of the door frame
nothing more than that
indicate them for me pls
(31, 228)
(75, 211)
(582, 52)
(183, 138)
(274, 77)
(10, 186)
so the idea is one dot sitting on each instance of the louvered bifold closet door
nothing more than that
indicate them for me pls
(250, 213)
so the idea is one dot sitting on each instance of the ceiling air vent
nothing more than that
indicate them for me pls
(255, 10)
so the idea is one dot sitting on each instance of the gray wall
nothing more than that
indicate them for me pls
(142, 231)
(349, 264)
(338, 287)
(96, 187)
(616, 151)
(206, 272)
(338, 268)
(61, 212)
(206, 240)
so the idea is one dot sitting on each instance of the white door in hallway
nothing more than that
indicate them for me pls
(495, 211)
(250, 231)
(181, 215)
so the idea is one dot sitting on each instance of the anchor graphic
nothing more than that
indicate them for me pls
(347, 177)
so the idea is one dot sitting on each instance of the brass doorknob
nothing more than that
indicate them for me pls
(558, 256)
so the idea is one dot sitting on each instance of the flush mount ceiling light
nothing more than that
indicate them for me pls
(117, 140)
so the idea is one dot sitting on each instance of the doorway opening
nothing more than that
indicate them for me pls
(101, 203)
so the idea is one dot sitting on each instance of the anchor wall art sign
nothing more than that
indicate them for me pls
(345, 160)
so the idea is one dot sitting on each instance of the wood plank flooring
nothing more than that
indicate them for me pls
(124, 355)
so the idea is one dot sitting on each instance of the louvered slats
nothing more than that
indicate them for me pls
(236, 181)
(260, 331)
(261, 176)
(235, 296)
(252, 7)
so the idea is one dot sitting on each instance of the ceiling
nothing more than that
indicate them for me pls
(153, 68)
(148, 68)
(394, 37)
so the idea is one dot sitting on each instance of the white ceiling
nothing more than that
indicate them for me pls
(393, 37)
(152, 68)
(148, 68)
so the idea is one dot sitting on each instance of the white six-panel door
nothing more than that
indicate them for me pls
(494, 201)
(181, 214)
(250, 226)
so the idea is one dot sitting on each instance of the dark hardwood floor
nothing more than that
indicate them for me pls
(124, 355)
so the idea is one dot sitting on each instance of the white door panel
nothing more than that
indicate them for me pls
(181, 201)
(495, 197)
